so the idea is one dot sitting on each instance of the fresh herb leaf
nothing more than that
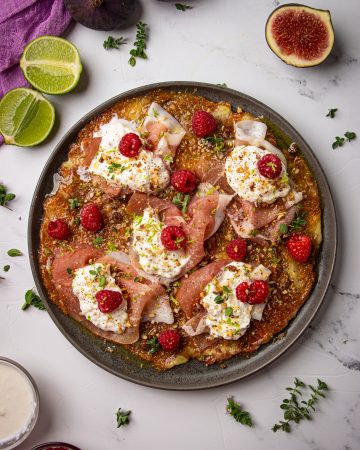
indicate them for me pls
(77, 221)
(254, 232)
(32, 299)
(169, 158)
(218, 299)
(112, 42)
(181, 201)
(154, 345)
(339, 142)
(217, 142)
(14, 252)
(299, 221)
(5, 197)
(283, 228)
(74, 203)
(235, 410)
(182, 7)
(350, 136)
(70, 272)
(222, 85)
(112, 247)
(113, 166)
(296, 410)
(136, 279)
(122, 417)
(140, 44)
(102, 281)
(331, 113)
(228, 311)
(6, 268)
(98, 241)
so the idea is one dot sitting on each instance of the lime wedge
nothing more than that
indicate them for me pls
(51, 64)
(26, 117)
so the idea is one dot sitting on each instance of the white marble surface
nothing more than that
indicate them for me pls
(217, 41)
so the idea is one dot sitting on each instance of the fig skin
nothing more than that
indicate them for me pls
(103, 15)
(293, 60)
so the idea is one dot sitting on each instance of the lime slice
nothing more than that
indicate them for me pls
(51, 64)
(26, 117)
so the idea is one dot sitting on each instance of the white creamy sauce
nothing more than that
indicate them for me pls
(17, 403)
(145, 173)
(154, 259)
(243, 176)
(86, 283)
(231, 318)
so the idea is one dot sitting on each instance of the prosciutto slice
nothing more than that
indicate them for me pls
(164, 132)
(210, 170)
(143, 296)
(89, 148)
(205, 216)
(191, 287)
(215, 203)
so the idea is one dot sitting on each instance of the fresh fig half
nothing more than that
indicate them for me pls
(101, 14)
(300, 35)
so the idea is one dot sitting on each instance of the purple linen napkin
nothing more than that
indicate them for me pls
(20, 22)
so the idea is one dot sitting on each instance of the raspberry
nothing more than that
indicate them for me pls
(130, 145)
(254, 294)
(203, 123)
(169, 340)
(58, 229)
(173, 238)
(242, 291)
(184, 181)
(108, 300)
(269, 166)
(91, 217)
(236, 249)
(299, 246)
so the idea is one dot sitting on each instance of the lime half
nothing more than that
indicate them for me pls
(26, 117)
(51, 64)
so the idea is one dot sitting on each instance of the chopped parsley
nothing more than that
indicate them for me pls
(32, 299)
(140, 44)
(236, 411)
(14, 252)
(112, 42)
(5, 197)
(331, 113)
(122, 417)
(182, 7)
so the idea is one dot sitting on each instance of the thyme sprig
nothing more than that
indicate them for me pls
(340, 141)
(5, 197)
(181, 201)
(32, 299)
(182, 7)
(236, 411)
(122, 417)
(299, 221)
(296, 410)
(217, 142)
(331, 113)
(112, 42)
(140, 44)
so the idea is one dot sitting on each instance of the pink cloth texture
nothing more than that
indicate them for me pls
(20, 22)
